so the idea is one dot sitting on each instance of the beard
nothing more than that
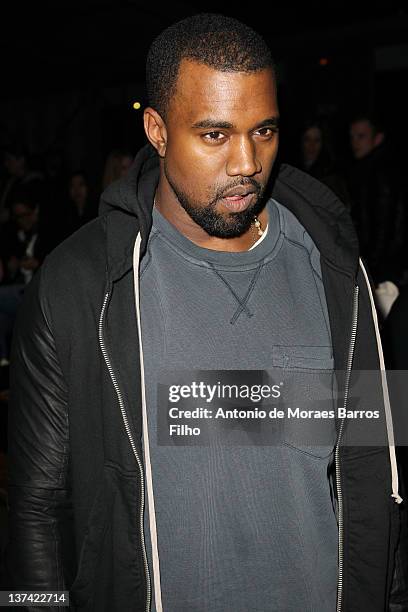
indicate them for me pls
(215, 224)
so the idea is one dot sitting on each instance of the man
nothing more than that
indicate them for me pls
(365, 136)
(194, 273)
(378, 206)
(23, 245)
(20, 176)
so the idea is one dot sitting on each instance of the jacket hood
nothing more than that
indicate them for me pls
(128, 202)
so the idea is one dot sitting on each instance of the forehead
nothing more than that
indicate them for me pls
(313, 132)
(202, 91)
(361, 127)
(22, 207)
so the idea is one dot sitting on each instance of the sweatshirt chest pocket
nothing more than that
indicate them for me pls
(307, 397)
(303, 357)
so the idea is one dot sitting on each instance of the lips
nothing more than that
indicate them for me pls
(238, 203)
(239, 191)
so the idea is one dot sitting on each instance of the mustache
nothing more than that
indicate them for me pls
(258, 188)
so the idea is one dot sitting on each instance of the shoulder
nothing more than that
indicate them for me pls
(84, 248)
(314, 192)
(74, 273)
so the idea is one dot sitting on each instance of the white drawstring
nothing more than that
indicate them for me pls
(146, 445)
(387, 406)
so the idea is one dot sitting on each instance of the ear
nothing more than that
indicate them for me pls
(378, 138)
(155, 129)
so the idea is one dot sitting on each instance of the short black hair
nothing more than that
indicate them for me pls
(23, 195)
(372, 118)
(221, 42)
(16, 150)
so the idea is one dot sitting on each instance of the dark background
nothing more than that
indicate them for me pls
(71, 71)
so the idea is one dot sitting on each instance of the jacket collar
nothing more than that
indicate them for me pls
(322, 214)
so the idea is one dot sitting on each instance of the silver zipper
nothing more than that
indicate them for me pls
(132, 443)
(337, 451)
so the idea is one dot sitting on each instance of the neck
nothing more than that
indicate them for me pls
(169, 206)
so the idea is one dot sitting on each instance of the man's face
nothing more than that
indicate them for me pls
(221, 137)
(14, 165)
(362, 138)
(25, 216)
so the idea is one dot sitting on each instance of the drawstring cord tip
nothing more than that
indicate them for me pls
(397, 498)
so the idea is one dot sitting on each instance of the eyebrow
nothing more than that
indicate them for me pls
(226, 125)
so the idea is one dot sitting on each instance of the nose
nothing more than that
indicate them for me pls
(242, 160)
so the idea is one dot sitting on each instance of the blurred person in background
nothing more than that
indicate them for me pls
(374, 181)
(81, 206)
(54, 167)
(396, 333)
(19, 240)
(23, 248)
(317, 158)
(20, 175)
(117, 165)
(75, 206)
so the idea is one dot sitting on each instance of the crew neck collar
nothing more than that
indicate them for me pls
(197, 253)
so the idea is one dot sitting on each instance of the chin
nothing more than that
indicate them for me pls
(233, 228)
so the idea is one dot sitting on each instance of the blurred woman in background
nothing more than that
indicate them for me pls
(117, 164)
(317, 158)
(79, 206)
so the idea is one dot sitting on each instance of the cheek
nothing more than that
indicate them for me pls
(268, 155)
(193, 165)
(190, 151)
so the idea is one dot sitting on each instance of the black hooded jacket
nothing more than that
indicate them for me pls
(76, 488)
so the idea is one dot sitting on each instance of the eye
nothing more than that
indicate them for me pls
(213, 136)
(267, 132)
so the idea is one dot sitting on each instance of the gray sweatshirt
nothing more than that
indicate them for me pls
(242, 526)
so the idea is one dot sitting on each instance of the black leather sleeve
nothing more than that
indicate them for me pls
(40, 516)
(399, 587)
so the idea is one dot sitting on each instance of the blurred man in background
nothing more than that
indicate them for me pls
(377, 200)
